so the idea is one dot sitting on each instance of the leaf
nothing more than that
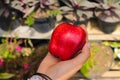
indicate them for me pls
(52, 1)
(6, 54)
(54, 12)
(88, 4)
(79, 13)
(70, 17)
(65, 8)
(30, 20)
(6, 75)
(11, 56)
(3, 49)
(30, 2)
(84, 70)
(117, 5)
(59, 17)
(66, 2)
(17, 5)
(30, 43)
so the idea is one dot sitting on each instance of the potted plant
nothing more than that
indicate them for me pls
(99, 62)
(45, 17)
(18, 57)
(9, 18)
(13, 58)
(77, 11)
(108, 14)
(38, 13)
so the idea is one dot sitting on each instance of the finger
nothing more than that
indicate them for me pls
(83, 56)
(48, 61)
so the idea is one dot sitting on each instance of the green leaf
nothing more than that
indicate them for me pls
(30, 20)
(55, 12)
(6, 54)
(30, 43)
(11, 56)
(6, 75)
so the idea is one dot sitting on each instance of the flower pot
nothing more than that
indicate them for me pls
(107, 21)
(93, 27)
(108, 27)
(7, 22)
(100, 62)
(76, 19)
(44, 25)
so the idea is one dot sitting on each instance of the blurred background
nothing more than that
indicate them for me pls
(26, 27)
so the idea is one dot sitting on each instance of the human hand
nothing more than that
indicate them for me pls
(63, 70)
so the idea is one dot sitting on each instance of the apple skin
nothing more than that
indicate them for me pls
(66, 40)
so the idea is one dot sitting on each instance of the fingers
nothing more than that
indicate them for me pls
(83, 56)
(48, 61)
(85, 53)
(86, 50)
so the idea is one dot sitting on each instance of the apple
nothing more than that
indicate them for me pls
(66, 40)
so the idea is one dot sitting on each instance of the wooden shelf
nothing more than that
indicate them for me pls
(29, 32)
(104, 36)
(26, 32)
(112, 74)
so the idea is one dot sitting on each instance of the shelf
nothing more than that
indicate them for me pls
(29, 32)
(112, 74)
(26, 32)
(104, 36)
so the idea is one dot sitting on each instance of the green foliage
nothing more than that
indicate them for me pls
(116, 52)
(107, 4)
(6, 75)
(87, 66)
(54, 12)
(28, 6)
(4, 51)
(78, 8)
(109, 8)
(30, 20)
(111, 43)
(30, 43)
(14, 57)
(8, 48)
(90, 62)
(115, 45)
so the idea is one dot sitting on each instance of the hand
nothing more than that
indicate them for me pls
(63, 70)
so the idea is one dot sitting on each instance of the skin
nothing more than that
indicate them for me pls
(63, 70)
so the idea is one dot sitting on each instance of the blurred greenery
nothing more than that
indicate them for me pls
(111, 43)
(90, 62)
(115, 45)
(6, 75)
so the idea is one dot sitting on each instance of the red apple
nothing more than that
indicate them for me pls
(66, 40)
